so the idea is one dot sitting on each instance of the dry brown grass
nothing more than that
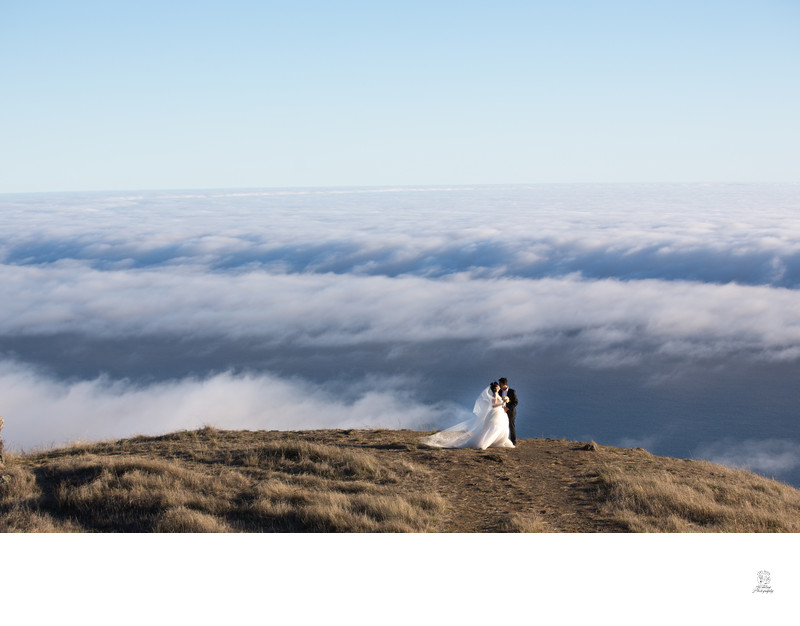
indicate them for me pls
(672, 495)
(216, 481)
(210, 481)
(525, 523)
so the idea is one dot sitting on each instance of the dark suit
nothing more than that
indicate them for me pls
(511, 411)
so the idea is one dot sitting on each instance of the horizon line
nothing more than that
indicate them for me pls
(389, 187)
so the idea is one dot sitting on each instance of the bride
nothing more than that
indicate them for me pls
(489, 428)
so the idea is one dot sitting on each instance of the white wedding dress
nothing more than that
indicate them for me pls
(489, 428)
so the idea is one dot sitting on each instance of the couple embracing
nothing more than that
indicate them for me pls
(492, 427)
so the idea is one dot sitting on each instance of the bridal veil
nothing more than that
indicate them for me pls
(456, 435)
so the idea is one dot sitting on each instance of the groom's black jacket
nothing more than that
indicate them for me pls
(511, 411)
(511, 405)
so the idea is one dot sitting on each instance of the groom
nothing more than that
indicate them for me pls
(510, 408)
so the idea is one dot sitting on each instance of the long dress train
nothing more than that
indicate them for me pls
(489, 428)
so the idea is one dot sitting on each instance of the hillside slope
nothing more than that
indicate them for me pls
(377, 481)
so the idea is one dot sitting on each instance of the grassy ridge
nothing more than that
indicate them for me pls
(208, 481)
(377, 481)
(669, 496)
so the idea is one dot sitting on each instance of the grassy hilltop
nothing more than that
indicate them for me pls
(210, 480)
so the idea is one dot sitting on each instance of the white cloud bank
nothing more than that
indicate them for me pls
(602, 275)
(682, 269)
(771, 457)
(724, 233)
(41, 411)
(676, 318)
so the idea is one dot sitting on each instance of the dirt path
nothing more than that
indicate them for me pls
(549, 480)
(545, 478)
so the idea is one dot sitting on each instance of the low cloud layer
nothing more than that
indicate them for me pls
(43, 411)
(717, 234)
(691, 319)
(623, 313)
(772, 457)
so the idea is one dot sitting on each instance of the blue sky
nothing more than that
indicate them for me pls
(154, 95)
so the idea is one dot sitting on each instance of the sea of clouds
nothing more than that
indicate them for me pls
(656, 315)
